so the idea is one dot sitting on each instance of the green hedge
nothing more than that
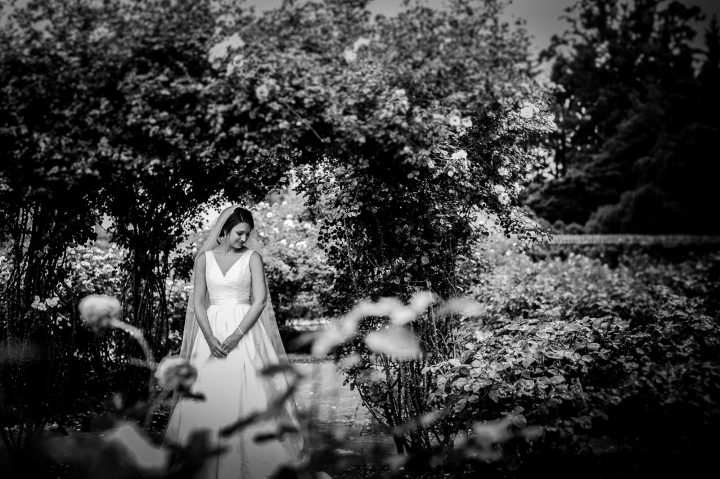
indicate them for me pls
(620, 365)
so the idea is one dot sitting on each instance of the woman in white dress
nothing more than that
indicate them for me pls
(239, 337)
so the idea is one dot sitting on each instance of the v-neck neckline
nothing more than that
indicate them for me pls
(224, 275)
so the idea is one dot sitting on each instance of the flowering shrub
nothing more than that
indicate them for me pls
(96, 365)
(581, 348)
(96, 270)
(119, 442)
(407, 126)
(297, 268)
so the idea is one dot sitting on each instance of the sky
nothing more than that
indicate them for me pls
(542, 16)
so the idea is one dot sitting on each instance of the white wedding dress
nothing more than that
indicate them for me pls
(232, 386)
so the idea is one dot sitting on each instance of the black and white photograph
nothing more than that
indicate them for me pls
(359, 239)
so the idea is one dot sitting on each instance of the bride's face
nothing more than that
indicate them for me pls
(237, 236)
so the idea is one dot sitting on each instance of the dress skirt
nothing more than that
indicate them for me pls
(233, 388)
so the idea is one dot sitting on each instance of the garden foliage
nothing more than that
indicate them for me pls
(409, 126)
(400, 129)
(104, 113)
(619, 366)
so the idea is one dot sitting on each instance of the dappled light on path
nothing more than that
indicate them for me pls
(335, 408)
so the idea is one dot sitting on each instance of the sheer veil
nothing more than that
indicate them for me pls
(272, 352)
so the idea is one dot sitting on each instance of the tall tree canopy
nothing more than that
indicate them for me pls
(636, 102)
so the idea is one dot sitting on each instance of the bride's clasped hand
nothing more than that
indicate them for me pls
(220, 349)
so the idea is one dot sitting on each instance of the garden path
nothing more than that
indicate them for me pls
(335, 408)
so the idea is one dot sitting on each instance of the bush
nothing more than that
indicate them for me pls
(297, 268)
(95, 364)
(616, 364)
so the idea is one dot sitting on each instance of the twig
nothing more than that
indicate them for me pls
(159, 398)
(137, 334)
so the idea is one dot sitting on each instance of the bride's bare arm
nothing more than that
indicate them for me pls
(257, 271)
(199, 291)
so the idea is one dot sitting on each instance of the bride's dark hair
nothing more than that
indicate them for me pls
(240, 215)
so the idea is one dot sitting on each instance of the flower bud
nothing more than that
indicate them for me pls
(98, 310)
(174, 372)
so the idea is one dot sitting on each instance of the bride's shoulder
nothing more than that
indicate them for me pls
(201, 258)
(255, 256)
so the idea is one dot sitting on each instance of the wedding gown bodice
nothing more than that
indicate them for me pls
(232, 287)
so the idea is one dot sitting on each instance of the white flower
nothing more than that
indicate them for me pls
(396, 342)
(235, 41)
(269, 214)
(217, 52)
(226, 20)
(174, 372)
(498, 189)
(38, 304)
(99, 310)
(52, 302)
(504, 198)
(528, 111)
(482, 336)
(301, 244)
(262, 92)
(350, 56)
(467, 123)
(283, 242)
(502, 171)
(289, 224)
(138, 448)
(361, 42)
(459, 155)
(100, 33)
(220, 50)
(454, 120)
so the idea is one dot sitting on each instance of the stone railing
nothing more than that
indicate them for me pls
(632, 239)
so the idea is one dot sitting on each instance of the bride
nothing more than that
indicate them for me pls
(239, 337)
